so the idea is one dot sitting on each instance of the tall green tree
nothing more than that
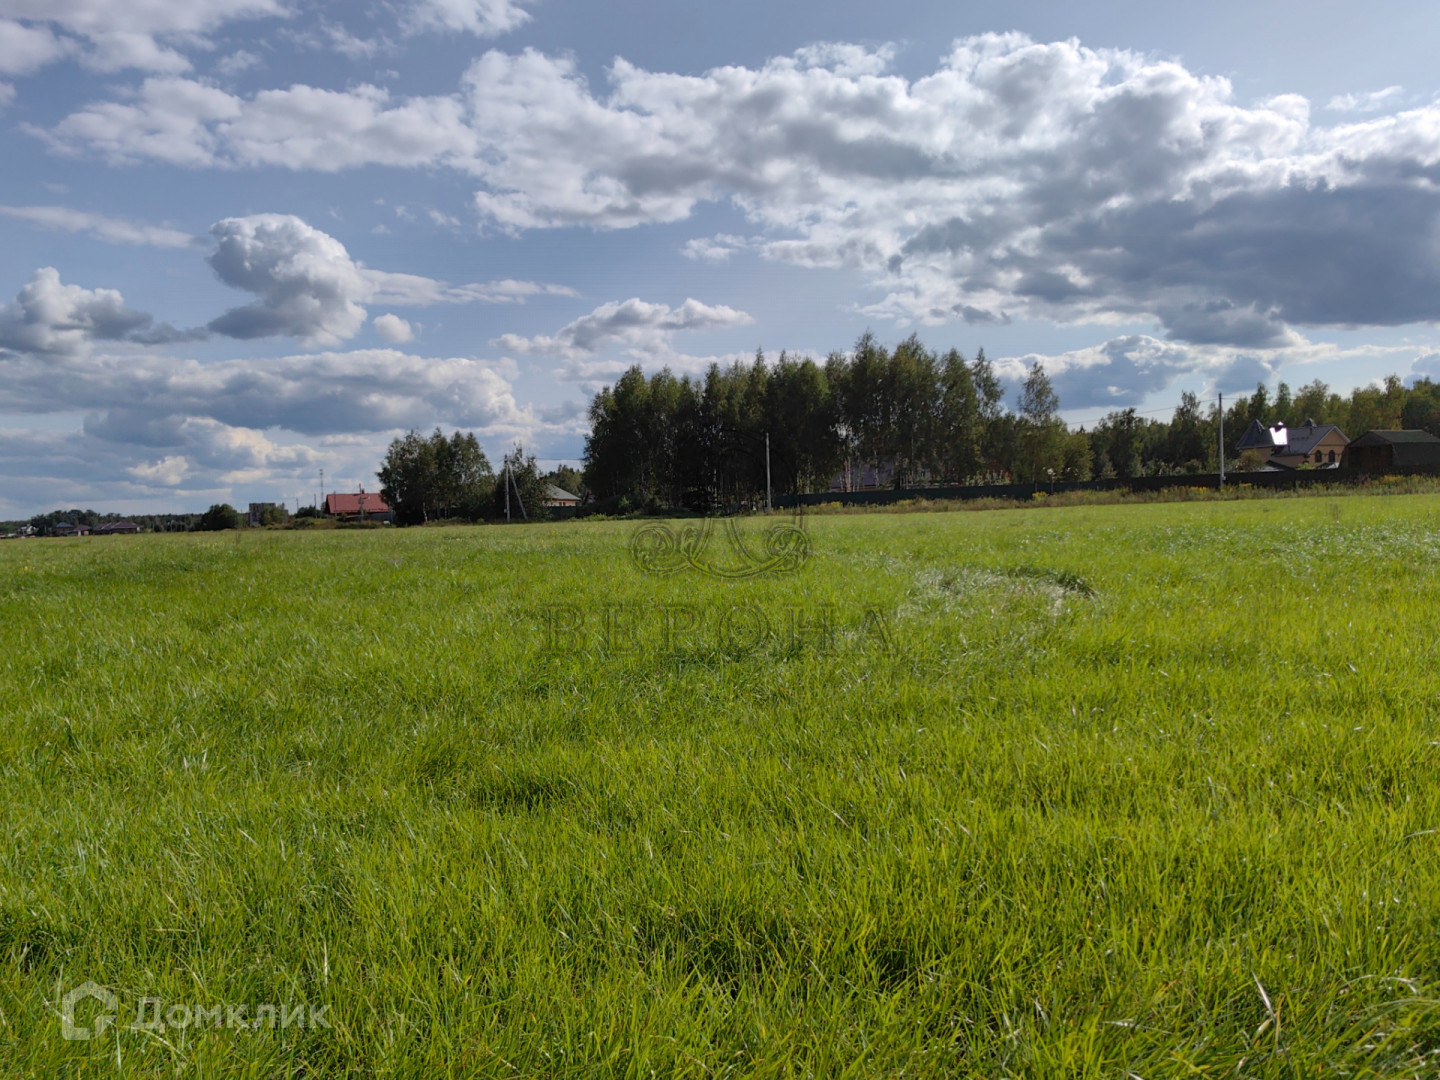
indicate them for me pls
(1315, 402)
(219, 517)
(1189, 441)
(799, 422)
(912, 412)
(617, 451)
(423, 478)
(866, 407)
(1120, 437)
(1422, 407)
(996, 425)
(956, 450)
(1041, 434)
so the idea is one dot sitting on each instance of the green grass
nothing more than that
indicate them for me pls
(1141, 789)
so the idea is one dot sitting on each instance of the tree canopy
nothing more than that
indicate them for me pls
(907, 417)
(423, 478)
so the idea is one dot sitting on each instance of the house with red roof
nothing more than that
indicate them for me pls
(362, 504)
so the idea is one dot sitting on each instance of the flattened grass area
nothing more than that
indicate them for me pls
(1128, 789)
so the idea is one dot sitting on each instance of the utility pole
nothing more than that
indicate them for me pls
(518, 500)
(507, 491)
(322, 487)
(1222, 440)
(767, 472)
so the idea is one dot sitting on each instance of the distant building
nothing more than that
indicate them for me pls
(558, 496)
(65, 528)
(1319, 446)
(117, 528)
(367, 504)
(1393, 451)
(864, 477)
(254, 517)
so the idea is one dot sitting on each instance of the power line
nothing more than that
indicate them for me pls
(1147, 412)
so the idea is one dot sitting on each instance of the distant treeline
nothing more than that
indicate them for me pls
(909, 417)
(912, 415)
(148, 522)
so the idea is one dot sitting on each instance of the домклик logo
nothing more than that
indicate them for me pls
(103, 1019)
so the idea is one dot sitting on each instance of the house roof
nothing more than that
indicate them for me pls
(1305, 439)
(1393, 438)
(1258, 437)
(559, 494)
(351, 503)
(1282, 440)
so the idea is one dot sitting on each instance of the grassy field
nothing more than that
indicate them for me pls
(1099, 791)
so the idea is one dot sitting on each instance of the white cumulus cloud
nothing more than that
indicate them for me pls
(1124, 371)
(1017, 179)
(310, 288)
(641, 326)
(169, 471)
(393, 329)
(483, 18)
(146, 400)
(147, 35)
(57, 321)
(308, 285)
(24, 49)
(1373, 101)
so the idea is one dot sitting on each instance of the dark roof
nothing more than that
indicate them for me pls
(1282, 440)
(1305, 439)
(1257, 437)
(350, 504)
(1392, 438)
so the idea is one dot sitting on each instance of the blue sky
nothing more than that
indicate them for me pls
(244, 240)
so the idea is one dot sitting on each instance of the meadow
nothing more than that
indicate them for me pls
(1096, 791)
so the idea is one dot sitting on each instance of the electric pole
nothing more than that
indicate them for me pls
(1222, 440)
(767, 472)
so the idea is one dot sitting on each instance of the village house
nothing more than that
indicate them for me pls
(558, 496)
(1317, 446)
(352, 507)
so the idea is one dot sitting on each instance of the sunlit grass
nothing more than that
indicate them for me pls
(1103, 790)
